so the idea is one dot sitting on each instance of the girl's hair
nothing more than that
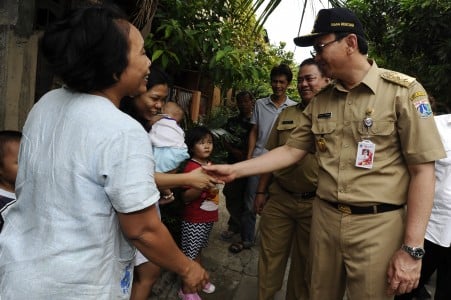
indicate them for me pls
(88, 49)
(195, 135)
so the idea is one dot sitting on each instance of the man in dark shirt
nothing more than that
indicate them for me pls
(238, 127)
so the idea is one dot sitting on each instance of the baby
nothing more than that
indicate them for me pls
(168, 142)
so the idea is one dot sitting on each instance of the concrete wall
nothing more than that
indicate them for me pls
(18, 56)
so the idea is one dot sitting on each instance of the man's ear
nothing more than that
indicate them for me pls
(351, 43)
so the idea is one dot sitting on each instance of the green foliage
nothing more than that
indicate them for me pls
(412, 37)
(220, 42)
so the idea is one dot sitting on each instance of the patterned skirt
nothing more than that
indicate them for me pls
(195, 237)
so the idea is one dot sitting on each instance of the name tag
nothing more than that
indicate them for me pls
(365, 154)
(327, 115)
(288, 122)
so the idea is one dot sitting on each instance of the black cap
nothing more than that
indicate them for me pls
(331, 20)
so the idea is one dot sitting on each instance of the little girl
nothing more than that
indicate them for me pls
(201, 209)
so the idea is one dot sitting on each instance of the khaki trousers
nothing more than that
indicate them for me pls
(284, 229)
(352, 252)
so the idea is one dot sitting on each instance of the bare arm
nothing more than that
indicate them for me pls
(191, 194)
(404, 271)
(275, 159)
(151, 237)
(196, 178)
(252, 140)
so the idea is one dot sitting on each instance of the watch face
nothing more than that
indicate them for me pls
(415, 252)
(418, 252)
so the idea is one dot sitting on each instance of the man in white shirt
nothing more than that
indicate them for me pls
(437, 242)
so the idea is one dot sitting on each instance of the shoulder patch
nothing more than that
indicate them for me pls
(398, 78)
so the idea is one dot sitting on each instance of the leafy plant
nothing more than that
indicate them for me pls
(219, 39)
(411, 37)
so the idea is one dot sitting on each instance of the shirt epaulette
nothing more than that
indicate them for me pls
(398, 78)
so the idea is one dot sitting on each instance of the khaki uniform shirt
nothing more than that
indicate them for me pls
(302, 176)
(403, 132)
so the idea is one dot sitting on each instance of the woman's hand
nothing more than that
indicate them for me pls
(195, 278)
(199, 179)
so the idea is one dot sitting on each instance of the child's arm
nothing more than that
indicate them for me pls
(191, 194)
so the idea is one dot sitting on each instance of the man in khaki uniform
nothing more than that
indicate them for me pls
(287, 202)
(361, 239)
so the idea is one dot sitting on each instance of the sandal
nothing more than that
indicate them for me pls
(238, 247)
(227, 235)
(193, 296)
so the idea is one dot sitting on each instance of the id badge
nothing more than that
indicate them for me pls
(365, 154)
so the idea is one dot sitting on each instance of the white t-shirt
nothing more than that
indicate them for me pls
(81, 159)
(439, 226)
(167, 133)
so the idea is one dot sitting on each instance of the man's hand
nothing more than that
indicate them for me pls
(195, 278)
(221, 172)
(259, 203)
(201, 180)
(403, 273)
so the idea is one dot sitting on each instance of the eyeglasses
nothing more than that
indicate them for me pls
(318, 49)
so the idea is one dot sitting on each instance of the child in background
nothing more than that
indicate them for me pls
(198, 218)
(9, 153)
(168, 142)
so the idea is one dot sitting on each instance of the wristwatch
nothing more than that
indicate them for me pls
(415, 252)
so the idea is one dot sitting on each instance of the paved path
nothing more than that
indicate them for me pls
(235, 275)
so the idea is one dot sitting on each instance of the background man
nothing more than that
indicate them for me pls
(239, 127)
(265, 112)
(285, 219)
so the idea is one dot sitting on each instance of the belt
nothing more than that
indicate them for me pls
(306, 195)
(361, 210)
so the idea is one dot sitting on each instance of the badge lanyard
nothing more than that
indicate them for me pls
(366, 148)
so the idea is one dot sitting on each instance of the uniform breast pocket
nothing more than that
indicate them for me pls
(326, 141)
(284, 131)
(381, 133)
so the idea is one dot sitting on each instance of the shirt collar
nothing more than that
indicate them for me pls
(370, 80)
(268, 101)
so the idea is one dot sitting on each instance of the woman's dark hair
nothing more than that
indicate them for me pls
(194, 135)
(88, 49)
(156, 77)
(282, 69)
